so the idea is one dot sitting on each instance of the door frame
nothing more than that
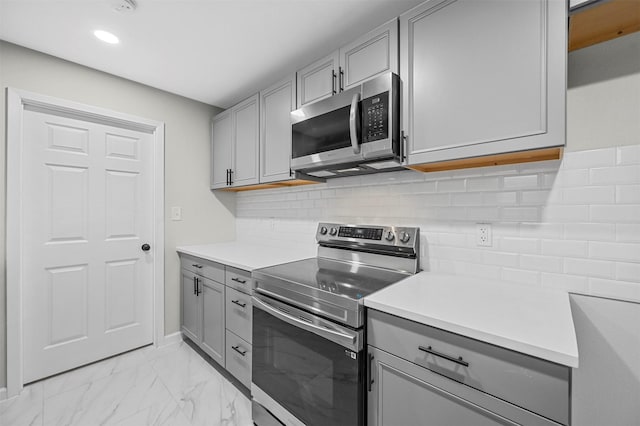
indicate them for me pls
(17, 101)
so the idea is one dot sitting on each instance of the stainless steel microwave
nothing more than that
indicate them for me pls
(354, 132)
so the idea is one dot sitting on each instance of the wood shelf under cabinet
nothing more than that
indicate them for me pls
(285, 184)
(491, 160)
(602, 21)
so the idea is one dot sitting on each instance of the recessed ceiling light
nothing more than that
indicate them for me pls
(106, 36)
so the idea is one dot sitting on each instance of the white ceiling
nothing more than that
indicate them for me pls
(214, 51)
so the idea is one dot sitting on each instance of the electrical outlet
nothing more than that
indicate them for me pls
(483, 234)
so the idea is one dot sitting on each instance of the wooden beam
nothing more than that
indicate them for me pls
(491, 160)
(602, 22)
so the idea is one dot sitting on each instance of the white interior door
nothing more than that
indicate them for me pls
(87, 210)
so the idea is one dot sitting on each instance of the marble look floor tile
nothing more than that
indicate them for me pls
(24, 409)
(93, 372)
(168, 414)
(236, 408)
(108, 400)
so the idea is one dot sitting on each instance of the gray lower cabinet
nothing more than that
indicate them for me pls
(421, 375)
(203, 302)
(217, 313)
(213, 301)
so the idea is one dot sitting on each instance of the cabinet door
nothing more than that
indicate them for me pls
(213, 330)
(370, 55)
(276, 104)
(318, 80)
(246, 142)
(191, 305)
(483, 78)
(221, 148)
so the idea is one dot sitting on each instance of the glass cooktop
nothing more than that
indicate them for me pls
(351, 280)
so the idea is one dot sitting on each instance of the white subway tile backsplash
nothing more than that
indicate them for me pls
(572, 224)
(628, 154)
(615, 175)
(520, 181)
(541, 263)
(619, 213)
(624, 252)
(589, 267)
(628, 194)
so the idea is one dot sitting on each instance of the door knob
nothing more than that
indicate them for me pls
(145, 247)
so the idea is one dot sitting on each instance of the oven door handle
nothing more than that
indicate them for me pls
(349, 341)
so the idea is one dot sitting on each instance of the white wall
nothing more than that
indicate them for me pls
(572, 224)
(207, 217)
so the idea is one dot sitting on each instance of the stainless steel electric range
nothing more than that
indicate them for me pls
(309, 363)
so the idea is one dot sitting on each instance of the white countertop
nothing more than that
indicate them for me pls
(246, 255)
(531, 320)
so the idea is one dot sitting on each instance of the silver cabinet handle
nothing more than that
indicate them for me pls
(342, 339)
(333, 82)
(354, 123)
(194, 286)
(237, 302)
(341, 78)
(238, 280)
(458, 360)
(198, 291)
(237, 349)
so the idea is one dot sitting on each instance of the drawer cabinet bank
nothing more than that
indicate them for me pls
(217, 313)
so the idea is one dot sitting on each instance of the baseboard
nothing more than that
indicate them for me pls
(3, 394)
(172, 338)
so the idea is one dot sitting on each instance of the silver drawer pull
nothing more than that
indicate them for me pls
(239, 303)
(238, 280)
(195, 265)
(237, 349)
(458, 360)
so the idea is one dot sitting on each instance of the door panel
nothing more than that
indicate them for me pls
(221, 148)
(318, 80)
(191, 307)
(87, 205)
(213, 327)
(247, 141)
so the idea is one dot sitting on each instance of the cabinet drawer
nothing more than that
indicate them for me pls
(206, 268)
(239, 313)
(238, 360)
(534, 384)
(238, 279)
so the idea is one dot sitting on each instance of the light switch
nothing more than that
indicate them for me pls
(176, 213)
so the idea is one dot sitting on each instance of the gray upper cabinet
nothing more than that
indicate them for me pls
(318, 80)
(483, 78)
(368, 56)
(221, 149)
(235, 145)
(276, 104)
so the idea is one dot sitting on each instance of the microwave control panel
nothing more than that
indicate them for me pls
(375, 117)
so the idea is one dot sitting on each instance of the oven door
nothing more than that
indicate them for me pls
(310, 367)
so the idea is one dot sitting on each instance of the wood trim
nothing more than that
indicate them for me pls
(602, 22)
(491, 160)
(285, 184)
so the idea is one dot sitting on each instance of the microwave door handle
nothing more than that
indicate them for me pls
(354, 122)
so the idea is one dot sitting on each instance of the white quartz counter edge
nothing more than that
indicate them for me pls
(530, 320)
(247, 255)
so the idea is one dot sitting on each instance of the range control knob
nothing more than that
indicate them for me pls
(333, 231)
(405, 237)
(389, 236)
(323, 230)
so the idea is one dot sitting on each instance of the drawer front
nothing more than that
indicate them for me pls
(239, 313)
(212, 270)
(534, 384)
(238, 360)
(238, 279)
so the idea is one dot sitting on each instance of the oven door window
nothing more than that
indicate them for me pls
(316, 380)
